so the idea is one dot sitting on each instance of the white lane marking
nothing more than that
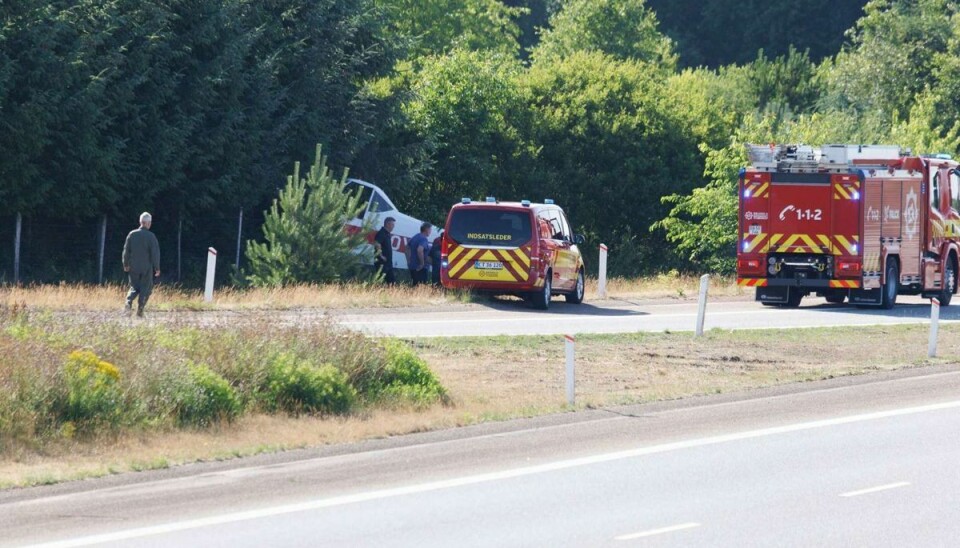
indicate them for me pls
(660, 531)
(244, 471)
(539, 318)
(488, 477)
(875, 489)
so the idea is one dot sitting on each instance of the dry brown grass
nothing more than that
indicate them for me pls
(333, 296)
(665, 286)
(505, 377)
(165, 297)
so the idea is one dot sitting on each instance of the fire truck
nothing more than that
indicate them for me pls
(862, 223)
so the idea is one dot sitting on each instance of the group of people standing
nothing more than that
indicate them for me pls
(423, 257)
(141, 259)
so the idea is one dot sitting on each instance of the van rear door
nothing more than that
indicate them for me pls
(489, 245)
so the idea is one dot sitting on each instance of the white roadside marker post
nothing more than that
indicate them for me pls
(211, 270)
(934, 327)
(702, 308)
(602, 278)
(570, 370)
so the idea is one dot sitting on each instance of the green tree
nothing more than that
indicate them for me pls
(703, 224)
(536, 17)
(891, 57)
(438, 27)
(623, 29)
(716, 33)
(787, 84)
(306, 240)
(610, 144)
(934, 121)
(470, 111)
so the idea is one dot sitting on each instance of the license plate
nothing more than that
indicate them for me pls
(488, 265)
(754, 230)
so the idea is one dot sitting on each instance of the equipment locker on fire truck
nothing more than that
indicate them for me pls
(857, 222)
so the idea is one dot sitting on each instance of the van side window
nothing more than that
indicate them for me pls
(935, 190)
(556, 226)
(565, 226)
(544, 223)
(955, 189)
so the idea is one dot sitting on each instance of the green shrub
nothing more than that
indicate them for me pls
(203, 398)
(93, 397)
(19, 416)
(297, 386)
(407, 378)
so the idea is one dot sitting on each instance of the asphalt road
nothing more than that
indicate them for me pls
(863, 461)
(503, 317)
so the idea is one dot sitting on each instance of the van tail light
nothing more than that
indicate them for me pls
(848, 268)
(444, 245)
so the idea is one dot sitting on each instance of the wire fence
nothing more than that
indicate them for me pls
(54, 250)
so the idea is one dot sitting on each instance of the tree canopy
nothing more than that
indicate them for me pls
(630, 113)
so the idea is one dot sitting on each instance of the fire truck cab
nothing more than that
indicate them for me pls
(863, 223)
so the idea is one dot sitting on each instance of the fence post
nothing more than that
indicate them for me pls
(602, 278)
(179, 241)
(103, 243)
(211, 270)
(934, 327)
(570, 370)
(702, 307)
(239, 234)
(16, 251)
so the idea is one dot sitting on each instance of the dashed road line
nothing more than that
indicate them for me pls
(875, 489)
(660, 531)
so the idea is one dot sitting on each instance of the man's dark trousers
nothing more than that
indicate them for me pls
(141, 285)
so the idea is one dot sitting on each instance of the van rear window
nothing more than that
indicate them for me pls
(488, 227)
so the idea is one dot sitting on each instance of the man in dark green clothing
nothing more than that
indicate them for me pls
(141, 259)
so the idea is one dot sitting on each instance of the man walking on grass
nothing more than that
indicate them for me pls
(141, 259)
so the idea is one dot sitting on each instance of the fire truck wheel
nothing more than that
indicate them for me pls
(949, 282)
(793, 298)
(541, 299)
(835, 299)
(890, 285)
(577, 296)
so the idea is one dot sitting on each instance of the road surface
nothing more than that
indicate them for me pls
(619, 316)
(864, 461)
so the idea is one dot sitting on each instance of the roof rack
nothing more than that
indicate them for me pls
(800, 158)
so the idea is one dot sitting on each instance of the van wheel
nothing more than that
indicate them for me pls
(891, 285)
(577, 296)
(949, 283)
(541, 299)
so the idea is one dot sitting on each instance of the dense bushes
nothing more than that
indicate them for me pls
(202, 397)
(92, 398)
(297, 386)
(67, 379)
(406, 377)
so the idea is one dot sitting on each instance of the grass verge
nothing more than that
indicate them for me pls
(70, 386)
(484, 379)
(333, 296)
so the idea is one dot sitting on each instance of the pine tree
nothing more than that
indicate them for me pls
(305, 233)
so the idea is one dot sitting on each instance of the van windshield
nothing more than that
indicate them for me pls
(490, 227)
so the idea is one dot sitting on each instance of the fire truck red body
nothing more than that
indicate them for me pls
(857, 222)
